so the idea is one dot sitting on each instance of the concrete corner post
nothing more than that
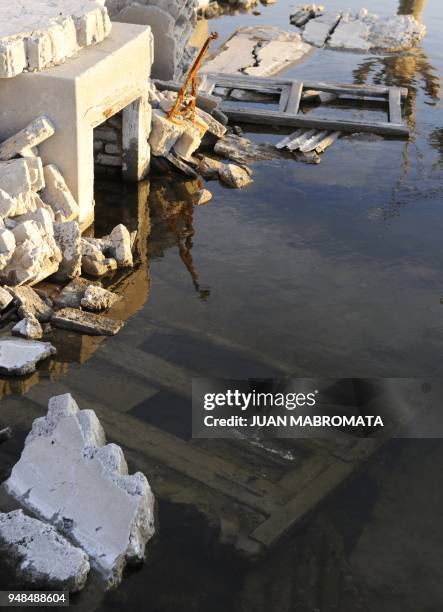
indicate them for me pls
(135, 133)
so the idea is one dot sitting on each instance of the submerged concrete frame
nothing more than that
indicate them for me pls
(80, 95)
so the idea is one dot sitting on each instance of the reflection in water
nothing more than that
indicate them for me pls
(163, 206)
(173, 203)
(412, 7)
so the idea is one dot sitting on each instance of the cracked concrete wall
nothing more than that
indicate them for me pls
(172, 22)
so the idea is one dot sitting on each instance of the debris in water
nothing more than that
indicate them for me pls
(67, 464)
(40, 556)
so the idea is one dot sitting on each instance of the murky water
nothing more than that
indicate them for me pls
(330, 270)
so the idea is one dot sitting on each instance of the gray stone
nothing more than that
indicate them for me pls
(235, 176)
(96, 298)
(29, 302)
(40, 556)
(68, 238)
(20, 357)
(204, 196)
(85, 322)
(29, 327)
(68, 476)
(71, 295)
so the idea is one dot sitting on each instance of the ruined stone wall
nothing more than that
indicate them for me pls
(108, 146)
(172, 22)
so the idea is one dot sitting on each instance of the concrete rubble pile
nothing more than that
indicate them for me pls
(40, 237)
(172, 23)
(90, 511)
(179, 141)
(257, 51)
(45, 33)
(362, 31)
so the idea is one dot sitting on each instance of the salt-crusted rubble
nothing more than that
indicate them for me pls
(257, 51)
(42, 33)
(39, 555)
(358, 31)
(71, 479)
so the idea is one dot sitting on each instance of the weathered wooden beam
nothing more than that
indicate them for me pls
(283, 143)
(294, 97)
(327, 142)
(284, 99)
(294, 144)
(274, 118)
(257, 83)
(395, 105)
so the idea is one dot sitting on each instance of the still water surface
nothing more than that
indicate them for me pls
(329, 270)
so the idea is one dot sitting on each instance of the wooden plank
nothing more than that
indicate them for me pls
(306, 135)
(245, 82)
(284, 99)
(282, 144)
(243, 115)
(312, 142)
(271, 530)
(327, 142)
(294, 97)
(395, 105)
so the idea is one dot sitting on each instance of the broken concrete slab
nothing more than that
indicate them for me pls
(68, 476)
(47, 32)
(19, 176)
(209, 168)
(40, 556)
(68, 239)
(120, 240)
(258, 51)
(19, 357)
(96, 298)
(57, 195)
(27, 139)
(364, 31)
(235, 176)
(30, 303)
(189, 141)
(86, 322)
(317, 31)
(29, 327)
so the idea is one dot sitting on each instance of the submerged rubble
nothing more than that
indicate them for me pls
(40, 556)
(362, 31)
(71, 479)
(86, 322)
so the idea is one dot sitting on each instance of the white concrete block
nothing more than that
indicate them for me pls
(40, 556)
(58, 195)
(164, 133)
(69, 477)
(47, 32)
(7, 241)
(189, 141)
(32, 135)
